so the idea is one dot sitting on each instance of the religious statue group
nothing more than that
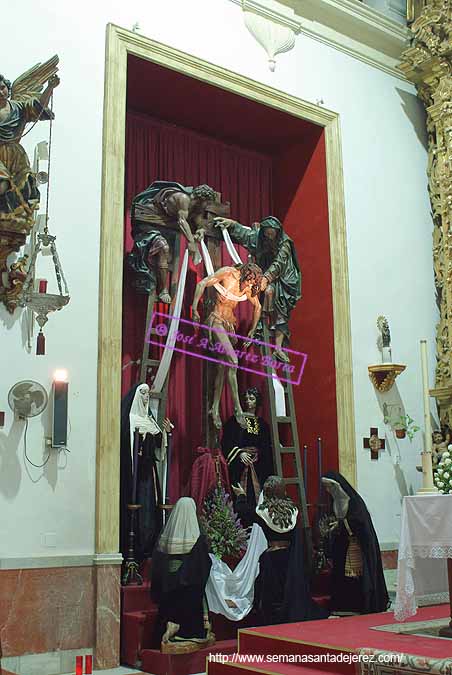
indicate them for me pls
(165, 209)
(271, 580)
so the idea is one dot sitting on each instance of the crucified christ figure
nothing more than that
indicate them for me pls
(233, 285)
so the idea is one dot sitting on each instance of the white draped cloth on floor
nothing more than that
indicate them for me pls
(425, 545)
(238, 585)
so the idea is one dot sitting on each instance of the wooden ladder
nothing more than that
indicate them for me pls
(289, 421)
(148, 364)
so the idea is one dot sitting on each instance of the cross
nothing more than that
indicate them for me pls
(374, 444)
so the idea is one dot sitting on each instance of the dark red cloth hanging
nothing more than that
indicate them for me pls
(156, 150)
(204, 477)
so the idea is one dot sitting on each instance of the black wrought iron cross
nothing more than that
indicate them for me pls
(373, 443)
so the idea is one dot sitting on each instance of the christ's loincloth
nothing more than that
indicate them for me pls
(216, 321)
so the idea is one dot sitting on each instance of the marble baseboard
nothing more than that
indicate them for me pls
(46, 610)
(49, 663)
(389, 559)
(59, 613)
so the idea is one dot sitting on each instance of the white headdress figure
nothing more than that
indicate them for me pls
(140, 417)
(182, 530)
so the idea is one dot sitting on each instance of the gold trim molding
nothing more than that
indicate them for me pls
(120, 43)
(428, 64)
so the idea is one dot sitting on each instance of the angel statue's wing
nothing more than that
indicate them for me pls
(29, 85)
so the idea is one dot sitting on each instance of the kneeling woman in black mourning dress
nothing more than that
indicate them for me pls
(281, 590)
(180, 569)
(358, 582)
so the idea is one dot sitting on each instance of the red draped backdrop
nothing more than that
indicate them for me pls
(159, 151)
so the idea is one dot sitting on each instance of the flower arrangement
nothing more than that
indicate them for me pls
(222, 526)
(442, 475)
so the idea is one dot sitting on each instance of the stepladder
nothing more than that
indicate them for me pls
(151, 354)
(285, 439)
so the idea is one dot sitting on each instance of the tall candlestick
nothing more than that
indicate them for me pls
(319, 462)
(136, 443)
(427, 471)
(305, 471)
(168, 466)
(426, 394)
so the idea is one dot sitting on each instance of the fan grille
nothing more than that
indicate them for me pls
(27, 398)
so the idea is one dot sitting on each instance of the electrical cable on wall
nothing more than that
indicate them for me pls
(38, 466)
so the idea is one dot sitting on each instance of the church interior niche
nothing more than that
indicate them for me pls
(260, 161)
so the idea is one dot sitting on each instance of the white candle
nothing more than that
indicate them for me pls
(427, 472)
(426, 390)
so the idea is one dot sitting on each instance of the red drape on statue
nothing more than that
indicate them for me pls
(159, 151)
(204, 474)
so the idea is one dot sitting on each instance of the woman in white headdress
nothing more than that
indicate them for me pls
(136, 415)
(180, 569)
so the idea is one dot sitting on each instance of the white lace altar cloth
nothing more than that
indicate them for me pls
(425, 544)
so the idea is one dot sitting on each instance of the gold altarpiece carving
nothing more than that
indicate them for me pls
(414, 9)
(428, 64)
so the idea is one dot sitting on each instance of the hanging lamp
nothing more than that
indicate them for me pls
(41, 302)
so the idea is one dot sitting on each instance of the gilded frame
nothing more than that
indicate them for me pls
(414, 9)
(120, 43)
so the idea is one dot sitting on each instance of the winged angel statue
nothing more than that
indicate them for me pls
(26, 100)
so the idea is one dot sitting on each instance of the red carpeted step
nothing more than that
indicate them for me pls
(322, 600)
(349, 634)
(135, 598)
(252, 642)
(227, 630)
(252, 666)
(136, 633)
(153, 661)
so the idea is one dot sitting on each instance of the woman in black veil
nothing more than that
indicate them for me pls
(135, 413)
(358, 583)
(180, 570)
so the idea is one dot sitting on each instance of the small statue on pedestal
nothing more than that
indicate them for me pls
(275, 253)
(166, 204)
(236, 284)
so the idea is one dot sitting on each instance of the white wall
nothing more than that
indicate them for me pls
(389, 238)
(395, 9)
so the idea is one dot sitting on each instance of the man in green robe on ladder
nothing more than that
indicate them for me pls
(275, 253)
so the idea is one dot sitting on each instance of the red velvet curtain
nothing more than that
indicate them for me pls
(156, 150)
